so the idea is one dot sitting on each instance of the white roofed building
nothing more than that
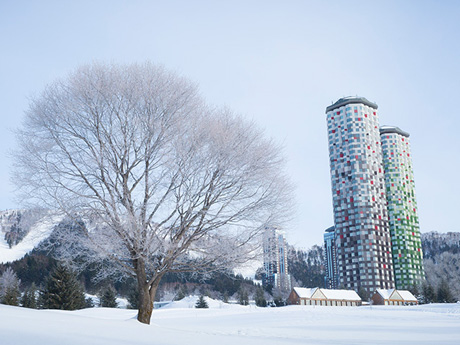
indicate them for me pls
(324, 297)
(393, 297)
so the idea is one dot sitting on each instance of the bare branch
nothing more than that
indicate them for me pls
(161, 182)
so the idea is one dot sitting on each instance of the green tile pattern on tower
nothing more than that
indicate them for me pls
(402, 208)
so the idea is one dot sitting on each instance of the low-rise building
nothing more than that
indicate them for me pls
(324, 297)
(393, 297)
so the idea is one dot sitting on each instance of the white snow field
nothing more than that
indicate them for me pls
(222, 324)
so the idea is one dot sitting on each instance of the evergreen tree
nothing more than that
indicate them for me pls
(260, 298)
(63, 291)
(417, 292)
(89, 302)
(225, 297)
(133, 297)
(444, 295)
(414, 289)
(181, 293)
(29, 298)
(279, 302)
(364, 294)
(108, 298)
(269, 288)
(9, 288)
(11, 296)
(243, 297)
(41, 299)
(201, 303)
(429, 295)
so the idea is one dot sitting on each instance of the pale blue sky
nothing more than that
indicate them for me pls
(279, 63)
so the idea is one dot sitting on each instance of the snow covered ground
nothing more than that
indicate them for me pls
(222, 324)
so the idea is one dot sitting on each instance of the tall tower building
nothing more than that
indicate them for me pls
(402, 208)
(275, 259)
(359, 201)
(330, 256)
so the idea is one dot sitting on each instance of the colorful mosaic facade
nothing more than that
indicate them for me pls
(402, 208)
(360, 214)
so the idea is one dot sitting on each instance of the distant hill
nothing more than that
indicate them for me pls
(435, 243)
(441, 252)
(22, 230)
(307, 267)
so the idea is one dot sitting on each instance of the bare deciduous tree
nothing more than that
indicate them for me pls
(164, 183)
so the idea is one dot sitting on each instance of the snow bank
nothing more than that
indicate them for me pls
(122, 302)
(190, 302)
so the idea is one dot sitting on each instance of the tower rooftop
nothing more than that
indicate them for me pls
(350, 100)
(393, 129)
(330, 229)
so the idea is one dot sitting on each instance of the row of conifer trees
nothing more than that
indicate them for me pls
(61, 290)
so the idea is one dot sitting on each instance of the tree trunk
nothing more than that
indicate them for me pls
(145, 303)
(146, 293)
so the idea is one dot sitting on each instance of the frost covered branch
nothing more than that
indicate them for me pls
(162, 182)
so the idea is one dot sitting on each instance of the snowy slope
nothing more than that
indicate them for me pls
(431, 324)
(39, 231)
